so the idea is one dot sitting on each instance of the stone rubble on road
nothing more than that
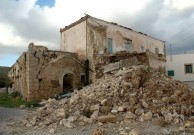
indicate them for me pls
(137, 93)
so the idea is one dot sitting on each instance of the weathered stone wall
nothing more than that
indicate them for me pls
(38, 73)
(47, 71)
(18, 75)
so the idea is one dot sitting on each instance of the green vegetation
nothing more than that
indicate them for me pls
(4, 80)
(14, 100)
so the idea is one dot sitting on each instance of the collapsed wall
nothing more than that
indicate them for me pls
(107, 63)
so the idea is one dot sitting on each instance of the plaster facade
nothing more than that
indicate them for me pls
(177, 64)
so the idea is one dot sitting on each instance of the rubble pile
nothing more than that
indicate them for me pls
(133, 94)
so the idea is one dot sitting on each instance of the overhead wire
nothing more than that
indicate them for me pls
(181, 31)
(178, 42)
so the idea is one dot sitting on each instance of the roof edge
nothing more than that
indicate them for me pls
(74, 23)
(112, 23)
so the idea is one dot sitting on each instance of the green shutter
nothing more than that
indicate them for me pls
(110, 48)
(170, 72)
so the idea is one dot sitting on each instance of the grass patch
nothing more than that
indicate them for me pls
(15, 100)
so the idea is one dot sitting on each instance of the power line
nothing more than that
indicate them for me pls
(178, 42)
(181, 31)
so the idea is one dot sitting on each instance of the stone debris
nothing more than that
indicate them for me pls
(107, 119)
(98, 131)
(134, 132)
(137, 93)
(22, 106)
(52, 131)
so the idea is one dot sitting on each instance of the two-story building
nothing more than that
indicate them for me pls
(93, 38)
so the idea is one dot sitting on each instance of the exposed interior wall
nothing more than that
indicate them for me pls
(74, 40)
(157, 62)
(96, 46)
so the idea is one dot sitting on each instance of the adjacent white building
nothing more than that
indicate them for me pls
(180, 67)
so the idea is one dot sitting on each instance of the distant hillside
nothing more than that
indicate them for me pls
(4, 70)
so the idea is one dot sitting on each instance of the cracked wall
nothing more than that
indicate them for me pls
(44, 71)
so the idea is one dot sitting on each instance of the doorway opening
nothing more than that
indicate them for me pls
(67, 83)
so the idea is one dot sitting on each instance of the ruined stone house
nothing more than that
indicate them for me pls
(40, 73)
(93, 39)
(90, 47)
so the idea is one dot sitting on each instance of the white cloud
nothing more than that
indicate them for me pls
(22, 22)
(180, 4)
(7, 37)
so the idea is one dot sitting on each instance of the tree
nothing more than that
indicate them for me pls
(4, 80)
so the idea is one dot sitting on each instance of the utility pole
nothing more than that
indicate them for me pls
(170, 53)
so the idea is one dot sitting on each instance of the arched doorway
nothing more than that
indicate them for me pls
(67, 83)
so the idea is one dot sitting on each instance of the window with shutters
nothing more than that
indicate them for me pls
(156, 50)
(128, 45)
(110, 47)
(188, 68)
(142, 48)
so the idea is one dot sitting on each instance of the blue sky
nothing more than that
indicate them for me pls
(43, 3)
(39, 21)
(8, 60)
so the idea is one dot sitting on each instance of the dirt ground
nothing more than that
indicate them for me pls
(10, 124)
(2, 90)
(191, 83)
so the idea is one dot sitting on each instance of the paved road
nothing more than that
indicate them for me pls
(14, 115)
(8, 115)
(11, 113)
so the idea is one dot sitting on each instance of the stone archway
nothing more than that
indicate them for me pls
(67, 83)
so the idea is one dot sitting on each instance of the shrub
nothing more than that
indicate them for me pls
(33, 103)
(15, 94)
